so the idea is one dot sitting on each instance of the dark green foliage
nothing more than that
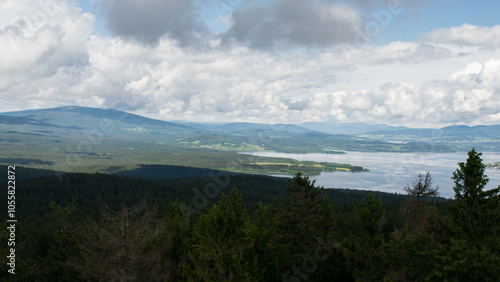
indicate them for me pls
(364, 247)
(369, 219)
(81, 227)
(175, 239)
(305, 216)
(220, 241)
(170, 171)
(26, 173)
(470, 180)
(409, 257)
(38, 192)
(308, 248)
(462, 261)
(477, 211)
(263, 255)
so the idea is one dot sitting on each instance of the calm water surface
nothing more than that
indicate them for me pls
(390, 172)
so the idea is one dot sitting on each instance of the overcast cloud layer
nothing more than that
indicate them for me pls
(288, 61)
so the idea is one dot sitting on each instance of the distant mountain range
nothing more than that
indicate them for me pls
(354, 128)
(74, 118)
(77, 118)
(479, 131)
(69, 120)
(457, 131)
(244, 127)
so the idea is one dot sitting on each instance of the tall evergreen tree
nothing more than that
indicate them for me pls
(369, 219)
(365, 250)
(476, 210)
(220, 241)
(306, 216)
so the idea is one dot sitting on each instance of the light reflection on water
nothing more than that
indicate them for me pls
(390, 172)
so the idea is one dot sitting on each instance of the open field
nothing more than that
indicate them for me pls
(112, 155)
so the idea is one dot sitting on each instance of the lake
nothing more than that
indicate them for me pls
(390, 172)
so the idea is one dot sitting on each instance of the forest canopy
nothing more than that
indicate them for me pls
(80, 227)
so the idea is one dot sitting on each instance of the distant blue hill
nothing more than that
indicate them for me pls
(455, 131)
(355, 128)
(84, 117)
(56, 120)
(11, 126)
(246, 127)
(13, 120)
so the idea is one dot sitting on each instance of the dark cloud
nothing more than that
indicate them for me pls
(148, 20)
(297, 105)
(298, 22)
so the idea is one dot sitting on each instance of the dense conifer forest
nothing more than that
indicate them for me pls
(234, 227)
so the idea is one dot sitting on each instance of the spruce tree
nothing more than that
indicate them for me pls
(369, 220)
(476, 210)
(365, 250)
(220, 242)
(306, 216)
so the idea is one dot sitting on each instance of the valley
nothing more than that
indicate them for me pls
(79, 139)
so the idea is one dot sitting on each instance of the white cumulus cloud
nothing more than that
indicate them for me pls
(466, 34)
(57, 60)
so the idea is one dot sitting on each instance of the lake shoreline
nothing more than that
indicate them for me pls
(390, 172)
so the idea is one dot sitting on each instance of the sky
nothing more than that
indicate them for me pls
(425, 63)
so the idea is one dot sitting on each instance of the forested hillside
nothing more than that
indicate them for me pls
(222, 227)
